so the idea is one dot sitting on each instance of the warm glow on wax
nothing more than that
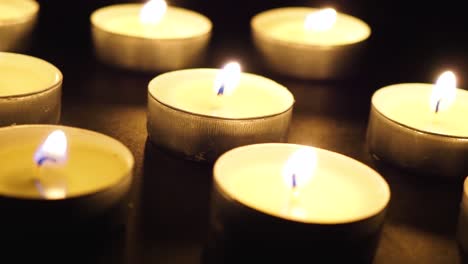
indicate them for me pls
(444, 92)
(153, 12)
(322, 20)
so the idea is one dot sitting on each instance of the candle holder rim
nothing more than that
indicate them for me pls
(350, 220)
(424, 132)
(57, 83)
(219, 117)
(30, 16)
(151, 95)
(127, 176)
(199, 35)
(257, 29)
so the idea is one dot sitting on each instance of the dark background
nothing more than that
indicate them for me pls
(167, 221)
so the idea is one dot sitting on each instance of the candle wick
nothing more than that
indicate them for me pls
(39, 187)
(221, 90)
(294, 183)
(437, 106)
(42, 160)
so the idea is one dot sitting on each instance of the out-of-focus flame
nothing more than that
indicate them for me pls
(300, 167)
(444, 92)
(54, 149)
(153, 12)
(227, 79)
(321, 20)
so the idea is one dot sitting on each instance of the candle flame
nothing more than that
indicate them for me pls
(54, 149)
(444, 92)
(321, 20)
(153, 12)
(227, 79)
(300, 167)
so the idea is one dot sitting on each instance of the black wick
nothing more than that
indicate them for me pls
(44, 159)
(294, 183)
(437, 106)
(221, 90)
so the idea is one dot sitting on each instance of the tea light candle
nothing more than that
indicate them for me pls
(201, 113)
(314, 43)
(30, 90)
(297, 198)
(62, 174)
(153, 37)
(420, 126)
(17, 20)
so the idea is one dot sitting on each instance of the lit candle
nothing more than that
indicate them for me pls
(201, 113)
(314, 43)
(297, 197)
(64, 175)
(30, 90)
(17, 20)
(53, 153)
(420, 126)
(150, 37)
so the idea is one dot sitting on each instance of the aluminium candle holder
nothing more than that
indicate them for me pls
(244, 230)
(15, 32)
(204, 137)
(300, 59)
(416, 150)
(89, 206)
(142, 53)
(32, 90)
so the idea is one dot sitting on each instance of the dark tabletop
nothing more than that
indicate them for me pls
(168, 208)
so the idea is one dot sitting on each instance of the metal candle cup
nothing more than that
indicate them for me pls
(402, 130)
(97, 177)
(185, 117)
(17, 20)
(304, 56)
(30, 90)
(181, 43)
(338, 214)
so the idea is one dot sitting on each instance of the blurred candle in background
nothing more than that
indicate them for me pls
(150, 37)
(314, 43)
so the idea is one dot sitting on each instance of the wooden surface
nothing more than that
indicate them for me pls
(167, 220)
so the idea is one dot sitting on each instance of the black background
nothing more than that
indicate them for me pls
(167, 221)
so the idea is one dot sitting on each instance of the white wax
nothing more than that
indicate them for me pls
(95, 162)
(177, 23)
(341, 189)
(16, 10)
(287, 24)
(192, 91)
(21, 74)
(408, 104)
